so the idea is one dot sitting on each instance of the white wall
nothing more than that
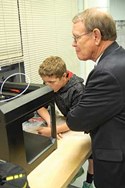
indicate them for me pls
(117, 9)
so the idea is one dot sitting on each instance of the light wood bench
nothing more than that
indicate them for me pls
(59, 168)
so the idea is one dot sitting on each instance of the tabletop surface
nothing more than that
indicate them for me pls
(59, 168)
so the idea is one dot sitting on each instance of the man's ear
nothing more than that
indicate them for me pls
(97, 36)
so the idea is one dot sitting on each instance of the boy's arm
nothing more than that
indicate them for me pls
(62, 128)
(43, 112)
(46, 131)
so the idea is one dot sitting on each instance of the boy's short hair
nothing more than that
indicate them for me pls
(52, 66)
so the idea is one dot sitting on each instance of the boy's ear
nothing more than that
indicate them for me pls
(65, 74)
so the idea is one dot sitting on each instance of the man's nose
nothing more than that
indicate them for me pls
(74, 44)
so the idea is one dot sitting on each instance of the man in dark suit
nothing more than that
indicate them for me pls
(101, 111)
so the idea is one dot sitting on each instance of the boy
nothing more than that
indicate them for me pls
(67, 86)
(68, 89)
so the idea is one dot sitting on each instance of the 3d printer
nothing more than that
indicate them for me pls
(16, 145)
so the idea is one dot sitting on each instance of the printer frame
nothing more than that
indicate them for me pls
(20, 147)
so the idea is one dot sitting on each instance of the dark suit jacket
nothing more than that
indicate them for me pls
(102, 113)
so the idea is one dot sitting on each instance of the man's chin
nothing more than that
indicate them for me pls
(79, 57)
(82, 58)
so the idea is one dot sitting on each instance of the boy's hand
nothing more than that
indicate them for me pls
(59, 136)
(44, 131)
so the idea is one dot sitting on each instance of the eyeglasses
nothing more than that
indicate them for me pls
(76, 38)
